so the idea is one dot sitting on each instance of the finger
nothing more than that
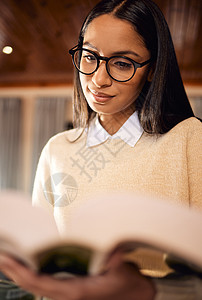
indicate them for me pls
(25, 277)
(39, 285)
(114, 259)
(10, 267)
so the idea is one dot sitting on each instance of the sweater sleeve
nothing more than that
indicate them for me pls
(194, 163)
(42, 179)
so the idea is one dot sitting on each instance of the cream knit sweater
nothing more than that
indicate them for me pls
(168, 165)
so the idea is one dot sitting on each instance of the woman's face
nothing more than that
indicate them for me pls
(107, 35)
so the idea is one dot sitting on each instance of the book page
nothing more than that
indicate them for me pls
(25, 226)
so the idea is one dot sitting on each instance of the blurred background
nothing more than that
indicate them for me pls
(36, 73)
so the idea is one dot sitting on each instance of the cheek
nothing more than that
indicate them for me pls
(132, 91)
(137, 84)
(84, 81)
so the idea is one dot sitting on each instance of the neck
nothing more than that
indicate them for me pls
(113, 122)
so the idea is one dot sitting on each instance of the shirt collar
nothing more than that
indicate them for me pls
(130, 132)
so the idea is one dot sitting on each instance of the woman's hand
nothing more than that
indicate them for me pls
(121, 281)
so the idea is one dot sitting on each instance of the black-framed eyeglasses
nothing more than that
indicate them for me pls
(119, 68)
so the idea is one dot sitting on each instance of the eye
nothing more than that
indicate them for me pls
(121, 64)
(88, 57)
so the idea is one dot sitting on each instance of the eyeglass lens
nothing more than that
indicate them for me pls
(118, 67)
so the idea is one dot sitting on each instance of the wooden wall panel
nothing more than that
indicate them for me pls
(42, 31)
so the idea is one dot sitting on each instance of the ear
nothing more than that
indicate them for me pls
(151, 73)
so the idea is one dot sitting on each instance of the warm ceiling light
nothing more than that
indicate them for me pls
(7, 50)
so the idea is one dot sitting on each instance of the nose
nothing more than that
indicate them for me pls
(101, 78)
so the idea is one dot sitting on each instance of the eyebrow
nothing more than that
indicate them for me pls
(123, 52)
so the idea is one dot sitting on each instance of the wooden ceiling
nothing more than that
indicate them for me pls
(41, 32)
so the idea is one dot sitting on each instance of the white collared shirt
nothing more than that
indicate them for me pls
(130, 132)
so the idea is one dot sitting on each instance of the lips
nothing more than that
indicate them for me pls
(100, 97)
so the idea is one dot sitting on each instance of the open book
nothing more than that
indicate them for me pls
(98, 227)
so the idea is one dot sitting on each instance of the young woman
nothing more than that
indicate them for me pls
(135, 131)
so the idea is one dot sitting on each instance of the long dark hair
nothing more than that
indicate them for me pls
(163, 102)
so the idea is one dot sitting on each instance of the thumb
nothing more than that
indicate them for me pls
(115, 259)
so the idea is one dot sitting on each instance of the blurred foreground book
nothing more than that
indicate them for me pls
(99, 227)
